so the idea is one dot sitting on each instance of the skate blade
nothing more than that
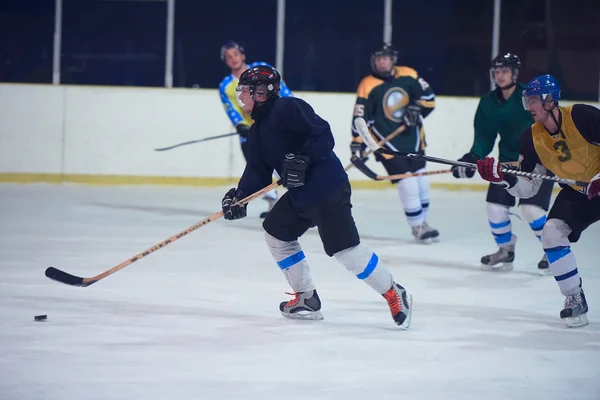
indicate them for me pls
(423, 241)
(576, 322)
(305, 315)
(501, 267)
(545, 272)
(406, 323)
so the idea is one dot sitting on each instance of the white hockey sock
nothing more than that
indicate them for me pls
(499, 220)
(423, 182)
(408, 190)
(536, 217)
(555, 239)
(362, 262)
(290, 258)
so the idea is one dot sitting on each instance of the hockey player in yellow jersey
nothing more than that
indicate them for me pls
(565, 141)
(395, 99)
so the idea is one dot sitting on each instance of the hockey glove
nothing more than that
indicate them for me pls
(464, 172)
(489, 169)
(293, 174)
(412, 115)
(242, 130)
(593, 188)
(230, 206)
(358, 149)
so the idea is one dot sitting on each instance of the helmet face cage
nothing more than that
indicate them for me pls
(507, 60)
(386, 51)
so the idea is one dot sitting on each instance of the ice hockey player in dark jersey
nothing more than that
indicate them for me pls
(500, 112)
(565, 141)
(396, 98)
(289, 137)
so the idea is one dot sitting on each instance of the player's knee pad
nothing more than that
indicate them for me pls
(532, 213)
(497, 213)
(555, 234)
(355, 259)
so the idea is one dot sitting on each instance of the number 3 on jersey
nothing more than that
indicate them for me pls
(561, 146)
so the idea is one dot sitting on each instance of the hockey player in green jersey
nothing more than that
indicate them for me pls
(396, 99)
(501, 112)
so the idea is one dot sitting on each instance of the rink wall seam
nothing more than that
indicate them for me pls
(107, 135)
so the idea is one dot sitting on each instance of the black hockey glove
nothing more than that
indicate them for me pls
(230, 206)
(464, 172)
(412, 114)
(293, 174)
(242, 130)
(358, 149)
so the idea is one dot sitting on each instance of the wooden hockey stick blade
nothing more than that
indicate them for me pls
(364, 133)
(195, 141)
(362, 167)
(68, 279)
(380, 143)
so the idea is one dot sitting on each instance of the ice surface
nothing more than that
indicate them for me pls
(199, 319)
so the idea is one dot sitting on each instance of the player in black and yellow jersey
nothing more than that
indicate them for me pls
(566, 141)
(396, 99)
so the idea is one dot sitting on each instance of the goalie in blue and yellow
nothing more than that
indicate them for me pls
(395, 99)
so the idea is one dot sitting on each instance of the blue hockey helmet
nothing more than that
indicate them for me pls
(542, 87)
(230, 44)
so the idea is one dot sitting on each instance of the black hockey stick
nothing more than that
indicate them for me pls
(196, 141)
(66, 278)
(363, 131)
(362, 167)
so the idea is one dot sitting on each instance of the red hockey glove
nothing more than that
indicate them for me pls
(593, 188)
(489, 169)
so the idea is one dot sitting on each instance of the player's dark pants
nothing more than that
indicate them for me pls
(498, 195)
(576, 210)
(401, 165)
(332, 215)
(245, 149)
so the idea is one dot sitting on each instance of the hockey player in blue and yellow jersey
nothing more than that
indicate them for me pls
(233, 55)
(394, 99)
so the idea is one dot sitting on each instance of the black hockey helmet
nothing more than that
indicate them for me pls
(230, 44)
(507, 60)
(386, 50)
(261, 78)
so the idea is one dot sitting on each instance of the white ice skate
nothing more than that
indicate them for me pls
(304, 305)
(434, 234)
(423, 234)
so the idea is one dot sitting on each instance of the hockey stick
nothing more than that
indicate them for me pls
(66, 278)
(196, 141)
(380, 143)
(363, 131)
(362, 167)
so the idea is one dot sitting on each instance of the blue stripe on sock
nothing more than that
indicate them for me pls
(502, 238)
(538, 224)
(369, 268)
(566, 276)
(291, 260)
(413, 214)
(425, 205)
(556, 253)
(499, 224)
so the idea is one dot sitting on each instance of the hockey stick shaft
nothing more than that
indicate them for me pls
(63, 277)
(362, 129)
(380, 143)
(195, 141)
(362, 167)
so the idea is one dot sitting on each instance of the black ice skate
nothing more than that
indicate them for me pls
(424, 234)
(304, 305)
(544, 266)
(575, 312)
(434, 234)
(400, 304)
(499, 261)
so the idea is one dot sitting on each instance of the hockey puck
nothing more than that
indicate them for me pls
(40, 317)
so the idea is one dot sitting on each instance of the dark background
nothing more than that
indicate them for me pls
(327, 42)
